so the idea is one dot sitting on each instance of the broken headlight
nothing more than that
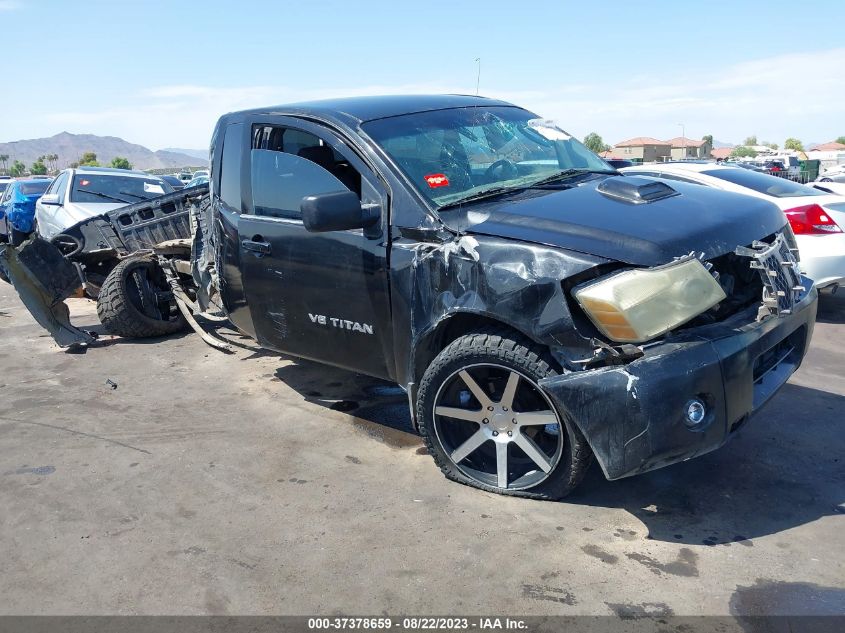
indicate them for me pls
(638, 305)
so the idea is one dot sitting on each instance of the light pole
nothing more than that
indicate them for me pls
(478, 77)
(683, 141)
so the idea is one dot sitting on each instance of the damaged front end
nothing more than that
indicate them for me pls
(685, 394)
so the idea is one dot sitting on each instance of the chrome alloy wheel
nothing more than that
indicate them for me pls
(497, 426)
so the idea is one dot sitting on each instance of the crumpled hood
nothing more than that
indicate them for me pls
(582, 219)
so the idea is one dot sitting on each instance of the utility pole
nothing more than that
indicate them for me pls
(683, 142)
(478, 76)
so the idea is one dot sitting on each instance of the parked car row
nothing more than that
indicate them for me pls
(184, 178)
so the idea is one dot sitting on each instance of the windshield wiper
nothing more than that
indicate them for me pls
(481, 195)
(134, 195)
(105, 195)
(566, 174)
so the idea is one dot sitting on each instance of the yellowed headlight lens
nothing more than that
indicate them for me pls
(638, 305)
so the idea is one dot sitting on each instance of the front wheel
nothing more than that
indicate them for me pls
(488, 424)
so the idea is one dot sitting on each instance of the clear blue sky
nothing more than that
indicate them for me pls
(159, 73)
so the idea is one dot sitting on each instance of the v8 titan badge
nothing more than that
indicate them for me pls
(437, 180)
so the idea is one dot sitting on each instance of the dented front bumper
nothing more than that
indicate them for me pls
(633, 416)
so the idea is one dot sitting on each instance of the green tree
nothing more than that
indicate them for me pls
(595, 143)
(743, 152)
(751, 140)
(793, 143)
(770, 145)
(17, 169)
(89, 159)
(118, 162)
(38, 167)
(708, 138)
(3, 159)
(841, 139)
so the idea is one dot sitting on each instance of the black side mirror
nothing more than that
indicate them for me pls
(336, 211)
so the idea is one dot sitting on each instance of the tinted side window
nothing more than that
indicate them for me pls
(311, 147)
(280, 181)
(53, 188)
(666, 176)
(230, 168)
(763, 183)
(61, 186)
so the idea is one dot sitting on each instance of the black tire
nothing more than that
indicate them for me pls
(491, 351)
(128, 311)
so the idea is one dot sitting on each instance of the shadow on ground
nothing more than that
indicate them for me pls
(783, 469)
(776, 598)
(377, 407)
(831, 308)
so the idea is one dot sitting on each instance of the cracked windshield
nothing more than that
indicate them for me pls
(457, 155)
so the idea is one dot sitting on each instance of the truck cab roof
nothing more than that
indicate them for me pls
(361, 109)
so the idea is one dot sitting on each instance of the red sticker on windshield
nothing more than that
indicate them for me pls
(437, 180)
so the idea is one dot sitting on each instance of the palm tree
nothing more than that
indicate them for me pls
(3, 159)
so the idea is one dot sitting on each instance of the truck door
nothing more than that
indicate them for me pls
(322, 296)
(227, 200)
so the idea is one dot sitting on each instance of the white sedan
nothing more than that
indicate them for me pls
(817, 217)
(832, 174)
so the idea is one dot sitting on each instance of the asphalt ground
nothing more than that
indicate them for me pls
(163, 477)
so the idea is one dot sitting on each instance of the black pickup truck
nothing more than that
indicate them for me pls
(538, 307)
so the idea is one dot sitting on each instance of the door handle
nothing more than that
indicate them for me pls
(256, 246)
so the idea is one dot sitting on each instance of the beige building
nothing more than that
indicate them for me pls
(687, 148)
(643, 149)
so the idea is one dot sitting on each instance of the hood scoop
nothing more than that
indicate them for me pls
(635, 190)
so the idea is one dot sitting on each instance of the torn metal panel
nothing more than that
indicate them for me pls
(44, 279)
(514, 283)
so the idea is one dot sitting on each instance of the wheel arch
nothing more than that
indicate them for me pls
(435, 339)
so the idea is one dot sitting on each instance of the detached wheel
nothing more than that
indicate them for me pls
(488, 424)
(135, 301)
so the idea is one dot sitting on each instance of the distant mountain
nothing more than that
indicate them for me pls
(718, 144)
(196, 153)
(69, 147)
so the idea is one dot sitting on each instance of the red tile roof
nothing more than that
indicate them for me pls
(680, 141)
(833, 146)
(640, 141)
(721, 152)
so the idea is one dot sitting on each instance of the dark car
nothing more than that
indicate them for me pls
(173, 181)
(538, 307)
(619, 163)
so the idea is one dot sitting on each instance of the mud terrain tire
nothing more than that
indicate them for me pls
(133, 301)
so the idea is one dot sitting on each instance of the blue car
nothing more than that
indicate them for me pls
(17, 208)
